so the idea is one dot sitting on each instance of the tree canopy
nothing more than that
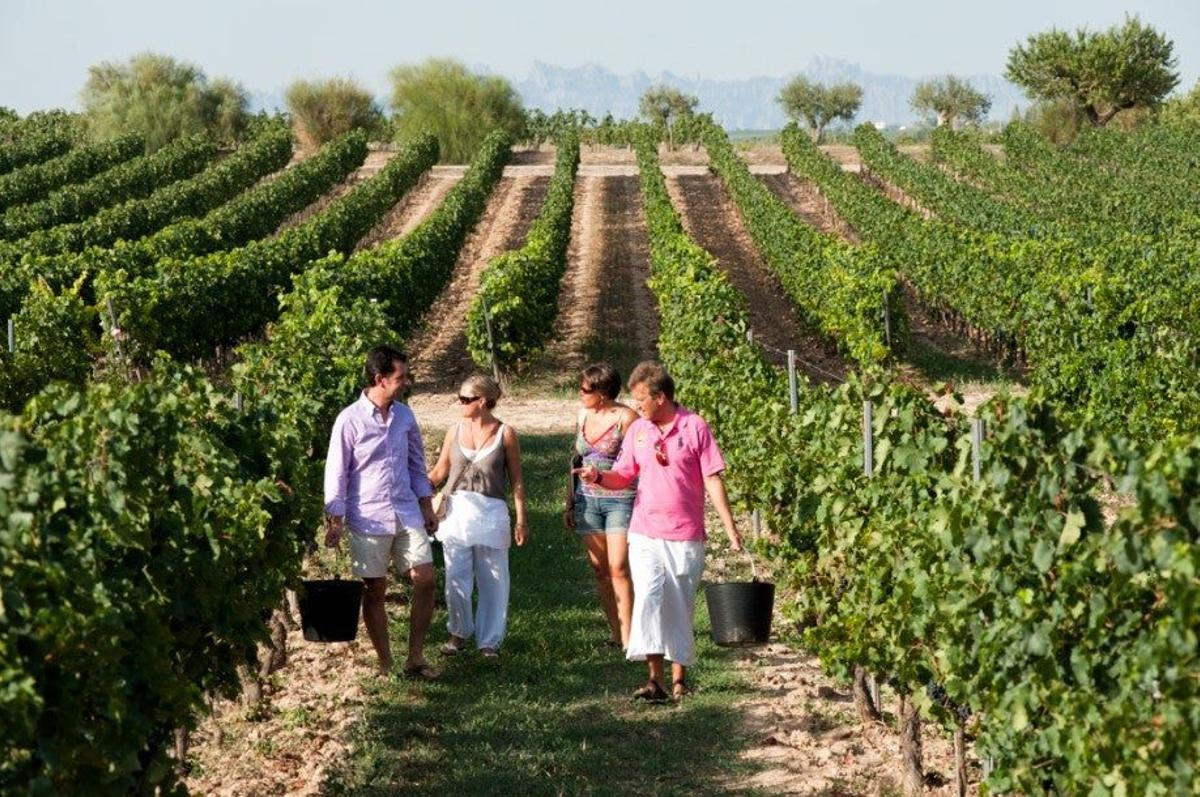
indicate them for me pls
(816, 105)
(664, 106)
(950, 100)
(1103, 73)
(443, 97)
(161, 99)
(322, 110)
(1184, 107)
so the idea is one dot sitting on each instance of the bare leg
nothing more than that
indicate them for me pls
(655, 662)
(621, 583)
(679, 686)
(375, 618)
(423, 581)
(597, 551)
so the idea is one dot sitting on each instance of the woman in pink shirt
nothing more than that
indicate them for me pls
(672, 454)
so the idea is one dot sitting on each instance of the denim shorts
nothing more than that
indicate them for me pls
(598, 515)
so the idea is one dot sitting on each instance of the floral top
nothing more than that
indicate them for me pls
(602, 454)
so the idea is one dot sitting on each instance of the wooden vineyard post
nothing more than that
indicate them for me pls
(887, 320)
(868, 439)
(976, 446)
(750, 336)
(793, 391)
(960, 731)
(866, 699)
(12, 336)
(487, 320)
(113, 329)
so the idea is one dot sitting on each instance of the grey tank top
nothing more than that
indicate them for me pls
(486, 474)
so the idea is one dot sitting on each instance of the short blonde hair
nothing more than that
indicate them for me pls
(483, 385)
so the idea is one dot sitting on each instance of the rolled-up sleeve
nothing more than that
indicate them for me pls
(711, 461)
(626, 465)
(337, 463)
(417, 474)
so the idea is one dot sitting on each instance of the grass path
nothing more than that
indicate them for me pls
(553, 714)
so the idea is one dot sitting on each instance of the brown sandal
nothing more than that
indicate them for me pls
(679, 690)
(652, 692)
(422, 672)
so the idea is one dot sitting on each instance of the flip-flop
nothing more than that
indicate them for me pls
(423, 672)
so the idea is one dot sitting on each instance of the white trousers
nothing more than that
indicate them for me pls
(666, 574)
(481, 567)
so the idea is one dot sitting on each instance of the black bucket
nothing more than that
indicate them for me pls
(740, 612)
(329, 610)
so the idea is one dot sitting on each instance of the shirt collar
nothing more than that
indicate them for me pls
(680, 413)
(369, 409)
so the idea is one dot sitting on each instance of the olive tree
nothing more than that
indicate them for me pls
(1102, 73)
(443, 97)
(950, 100)
(1184, 107)
(816, 104)
(322, 110)
(161, 99)
(664, 106)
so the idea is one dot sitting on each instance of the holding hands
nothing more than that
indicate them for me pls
(335, 527)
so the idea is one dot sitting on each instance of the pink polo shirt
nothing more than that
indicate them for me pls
(670, 498)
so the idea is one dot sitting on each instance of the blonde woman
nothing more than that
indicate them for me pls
(601, 516)
(479, 454)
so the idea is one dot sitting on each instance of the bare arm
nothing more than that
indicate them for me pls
(512, 457)
(441, 470)
(714, 485)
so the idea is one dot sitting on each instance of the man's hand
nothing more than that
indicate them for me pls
(735, 540)
(431, 519)
(335, 527)
(520, 534)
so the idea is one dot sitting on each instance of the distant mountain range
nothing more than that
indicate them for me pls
(747, 104)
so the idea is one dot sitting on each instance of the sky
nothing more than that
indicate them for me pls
(46, 46)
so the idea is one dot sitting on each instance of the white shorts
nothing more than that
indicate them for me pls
(408, 548)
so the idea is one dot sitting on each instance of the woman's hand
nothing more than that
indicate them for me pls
(569, 516)
(520, 534)
(588, 474)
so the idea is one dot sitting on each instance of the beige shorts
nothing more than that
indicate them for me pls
(408, 548)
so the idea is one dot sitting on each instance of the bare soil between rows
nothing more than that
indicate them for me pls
(712, 220)
(605, 309)
(438, 352)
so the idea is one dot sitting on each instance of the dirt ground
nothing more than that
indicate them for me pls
(301, 730)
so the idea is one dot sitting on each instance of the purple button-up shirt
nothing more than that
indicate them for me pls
(375, 472)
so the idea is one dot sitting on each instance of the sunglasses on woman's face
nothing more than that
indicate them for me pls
(467, 399)
(587, 389)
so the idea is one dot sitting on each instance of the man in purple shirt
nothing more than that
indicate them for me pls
(375, 484)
